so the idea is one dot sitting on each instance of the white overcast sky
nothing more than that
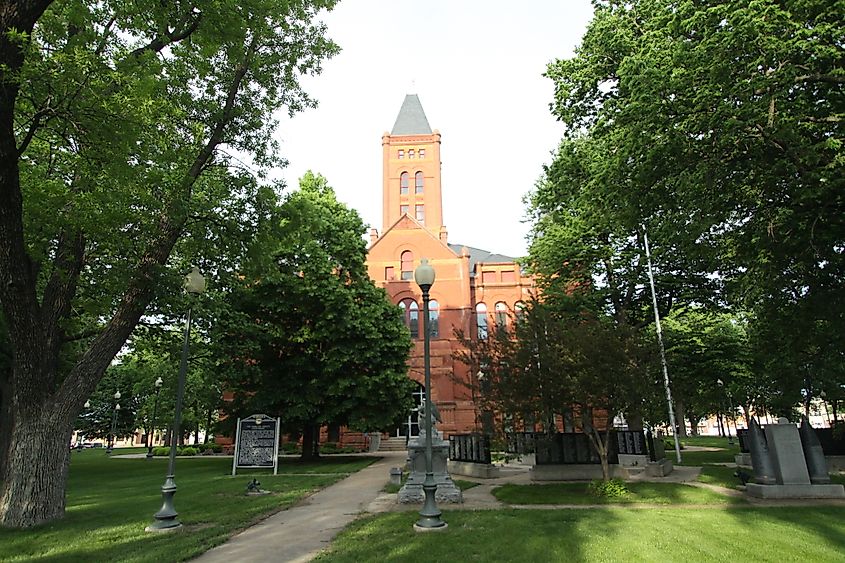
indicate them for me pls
(477, 67)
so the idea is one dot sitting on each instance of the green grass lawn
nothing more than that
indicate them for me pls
(611, 534)
(576, 493)
(705, 441)
(110, 501)
(720, 475)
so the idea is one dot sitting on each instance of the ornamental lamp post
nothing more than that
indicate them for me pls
(430, 514)
(113, 423)
(165, 518)
(157, 384)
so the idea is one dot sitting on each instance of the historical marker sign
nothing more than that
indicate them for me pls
(257, 443)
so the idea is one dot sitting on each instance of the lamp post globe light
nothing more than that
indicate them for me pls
(158, 383)
(110, 441)
(430, 514)
(165, 518)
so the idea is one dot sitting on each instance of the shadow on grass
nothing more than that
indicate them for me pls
(641, 492)
(613, 534)
(501, 535)
(111, 501)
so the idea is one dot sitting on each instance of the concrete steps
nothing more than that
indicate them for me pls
(392, 445)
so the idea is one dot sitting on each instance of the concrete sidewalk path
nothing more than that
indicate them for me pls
(301, 532)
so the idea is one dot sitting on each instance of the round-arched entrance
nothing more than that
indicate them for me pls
(410, 427)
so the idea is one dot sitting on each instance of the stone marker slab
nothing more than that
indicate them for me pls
(787, 453)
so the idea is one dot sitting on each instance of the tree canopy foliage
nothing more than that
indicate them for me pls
(119, 129)
(309, 337)
(715, 128)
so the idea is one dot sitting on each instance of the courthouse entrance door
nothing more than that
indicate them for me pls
(411, 426)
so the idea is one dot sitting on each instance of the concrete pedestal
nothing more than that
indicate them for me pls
(660, 468)
(794, 491)
(412, 492)
(743, 459)
(477, 470)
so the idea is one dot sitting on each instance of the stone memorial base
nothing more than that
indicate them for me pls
(794, 491)
(574, 472)
(743, 460)
(477, 470)
(660, 468)
(632, 460)
(412, 491)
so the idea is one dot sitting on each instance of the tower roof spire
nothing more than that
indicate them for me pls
(411, 119)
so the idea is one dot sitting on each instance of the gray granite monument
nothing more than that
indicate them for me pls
(412, 491)
(788, 463)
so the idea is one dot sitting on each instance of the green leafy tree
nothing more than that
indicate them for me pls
(718, 126)
(117, 126)
(309, 337)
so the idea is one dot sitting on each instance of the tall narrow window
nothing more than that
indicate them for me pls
(519, 310)
(434, 318)
(420, 213)
(403, 182)
(407, 259)
(403, 210)
(389, 274)
(410, 153)
(422, 153)
(401, 153)
(418, 183)
(481, 320)
(501, 315)
(411, 314)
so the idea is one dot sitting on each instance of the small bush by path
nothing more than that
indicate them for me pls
(577, 493)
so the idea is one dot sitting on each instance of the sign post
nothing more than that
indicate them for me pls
(257, 443)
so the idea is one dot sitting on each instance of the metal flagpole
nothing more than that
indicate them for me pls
(662, 349)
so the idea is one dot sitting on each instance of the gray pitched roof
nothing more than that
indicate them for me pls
(477, 255)
(411, 119)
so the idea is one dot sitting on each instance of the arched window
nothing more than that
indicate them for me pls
(418, 183)
(434, 318)
(403, 182)
(519, 309)
(407, 259)
(481, 320)
(501, 315)
(411, 314)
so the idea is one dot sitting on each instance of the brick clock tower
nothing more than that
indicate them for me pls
(474, 288)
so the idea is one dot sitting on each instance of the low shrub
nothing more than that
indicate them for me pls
(615, 488)
(187, 451)
(161, 451)
(333, 448)
(291, 448)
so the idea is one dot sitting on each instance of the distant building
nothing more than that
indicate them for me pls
(474, 290)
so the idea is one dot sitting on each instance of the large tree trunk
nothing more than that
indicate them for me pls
(42, 446)
(308, 439)
(693, 425)
(681, 418)
(6, 421)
